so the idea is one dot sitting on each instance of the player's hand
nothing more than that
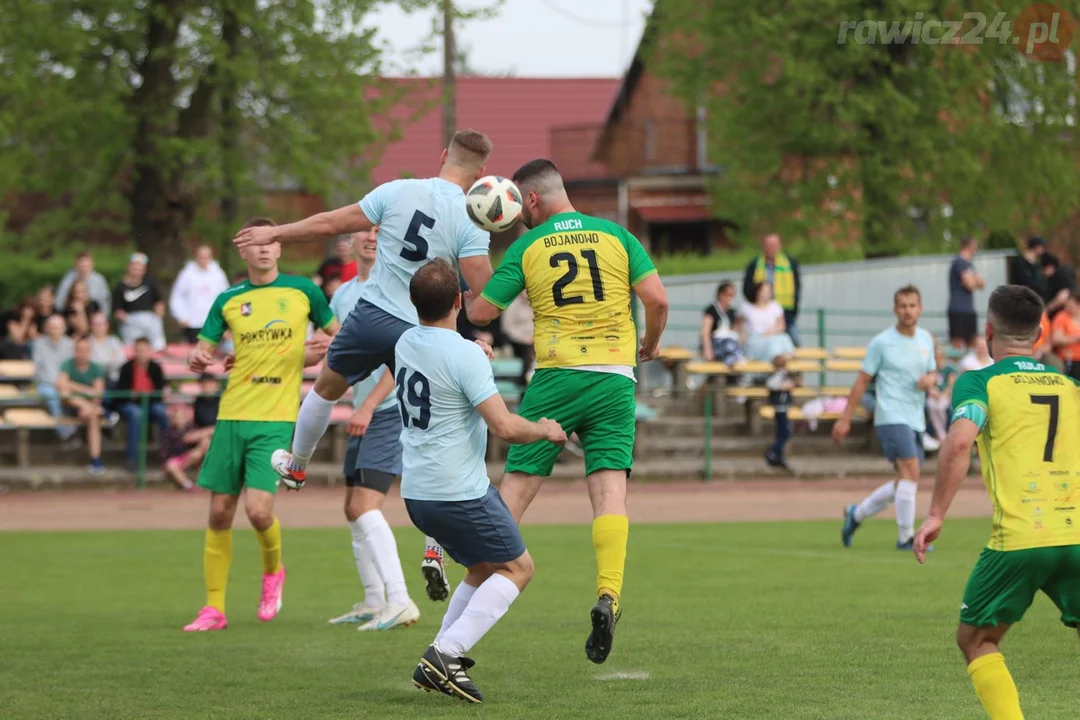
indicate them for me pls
(928, 533)
(318, 343)
(646, 353)
(840, 430)
(555, 433)
(252, 236)
(199, 359)
(230, 362)
(486, 348)
(359, 422)
(926, 382)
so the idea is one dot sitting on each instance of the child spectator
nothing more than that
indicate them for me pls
(183, 446)
(206, 405)
(81, 383)
(939, 399)
(141, 376)
(780, 384)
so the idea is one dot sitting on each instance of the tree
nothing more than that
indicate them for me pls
(822, 127)
(162, 117)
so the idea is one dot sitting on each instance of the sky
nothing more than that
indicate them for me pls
(528, 38)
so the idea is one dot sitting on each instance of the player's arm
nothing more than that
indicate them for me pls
(516, 429)
(318, 344)
(500, 288)
(348, 219)
(654, 298)
(954, 461)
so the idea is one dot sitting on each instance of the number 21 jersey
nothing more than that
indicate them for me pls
(1027, 415)
(578, 272)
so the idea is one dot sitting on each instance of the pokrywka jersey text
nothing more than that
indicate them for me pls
(578, 272)
(269, 328)
(1027, 415)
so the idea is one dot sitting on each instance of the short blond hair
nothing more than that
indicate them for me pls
(469, 149)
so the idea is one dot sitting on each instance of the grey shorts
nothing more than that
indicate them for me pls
(471, 531)
(900, 442)
(365, 342)
(377, 449)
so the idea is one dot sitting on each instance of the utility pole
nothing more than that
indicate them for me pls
(449, 96)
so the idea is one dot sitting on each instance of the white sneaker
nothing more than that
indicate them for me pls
(393, 616)
(361, 613)
(930, 444)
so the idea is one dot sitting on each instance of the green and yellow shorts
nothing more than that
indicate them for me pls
(239, 456)
(1003, 584)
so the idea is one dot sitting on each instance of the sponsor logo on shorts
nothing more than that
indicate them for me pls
(580, 338)
(583, 350)
(552, 353)
(1038, 525)
(1033, 487)
(1058, 473)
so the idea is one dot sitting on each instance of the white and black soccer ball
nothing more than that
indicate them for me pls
(494, 203)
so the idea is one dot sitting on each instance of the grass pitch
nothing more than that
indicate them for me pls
(755, 620)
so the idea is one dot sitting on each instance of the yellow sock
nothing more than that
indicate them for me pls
(270, 542)
(609, 534)
(995, 687)
(217, 556)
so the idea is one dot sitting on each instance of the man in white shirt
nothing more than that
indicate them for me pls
(194, 292)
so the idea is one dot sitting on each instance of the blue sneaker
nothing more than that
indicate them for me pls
(909, 546)
(850, 525)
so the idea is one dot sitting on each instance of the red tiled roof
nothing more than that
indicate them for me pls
(518, 114)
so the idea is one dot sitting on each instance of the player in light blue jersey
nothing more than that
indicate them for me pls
(419, 221)
(448, 401)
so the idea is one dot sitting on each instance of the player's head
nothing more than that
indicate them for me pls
(907, 305)
(366, 244)
(1013, 319)
(542, 191)
(261, 257)
(466, 156)
(435, 291)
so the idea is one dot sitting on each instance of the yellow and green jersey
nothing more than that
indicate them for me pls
(578, 272)
(1027, 415)
(269, 327)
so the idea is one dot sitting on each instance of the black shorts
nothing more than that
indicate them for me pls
(963, 326)
(374, 459)
(365, 342)
(470, 531)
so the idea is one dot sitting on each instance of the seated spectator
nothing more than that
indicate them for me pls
(1060, 283)
(517, 326)
(195, 290)
(43, 307)
(18, 328)
(139, 306)
(766, 335)
(96, 286)
(978, 358)
(1065, 335)
(939, 398)
(49, 352)
(82, 385)
(78, 309)
(183, 446)
(720, 326)
(330, 287)
(342, 265)
(106, 349)
(206, 406)
(142, 376)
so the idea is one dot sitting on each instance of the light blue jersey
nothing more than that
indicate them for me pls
(342, 303)
(441, 378)
(419, 220)
(896, 362)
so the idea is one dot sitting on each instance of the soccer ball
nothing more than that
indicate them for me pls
(494, 203)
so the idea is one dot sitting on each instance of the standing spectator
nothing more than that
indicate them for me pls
(766, 332)
(106, 349)
(18, 328)
(781, 274)
(780, 384)
(1065, 335)
(82, 384)
(720, 328)
(1024, 266)
(78, 309)
(196, 288)
(139, 306)
(50, 351)
(1060, 283)
(96, 285)
(517, 326)
(142, 376)
(964, 280)
(342, 265)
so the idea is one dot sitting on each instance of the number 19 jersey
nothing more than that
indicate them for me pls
(1027, 415)
(578, 272)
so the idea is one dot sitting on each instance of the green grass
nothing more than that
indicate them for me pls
(728, 621)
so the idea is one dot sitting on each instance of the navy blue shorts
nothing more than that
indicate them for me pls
(470, 531)
(900, 442)
(365, 342)
(377, 449)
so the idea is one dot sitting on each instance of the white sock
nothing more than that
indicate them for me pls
(458, 602)
(876, 501)
(311, 425)
(374, 592)
(379, 539)
(489, 603)
(905, 510)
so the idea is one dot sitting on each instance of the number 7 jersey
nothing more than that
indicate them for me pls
(578, 272)
(1028, 416)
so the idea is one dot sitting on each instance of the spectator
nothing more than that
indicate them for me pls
(139, 306)
(780, 385)
(720, 337)
(939, 398)
(978, 358)
(1060, 283)
(96, 285)
(964, 280)
(766, 334)
(1024, 266)
(341, 266)
(50, 351)
(1044, 348)
(44, 307)
(78, 309)
(781, 274)
(18, 328)
(106, 349)
(330, 287)
(142, 376)
(183, 446)
(1065, 335)
(206, 405)
(82, 384)
(196, 288)
(517, 326)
